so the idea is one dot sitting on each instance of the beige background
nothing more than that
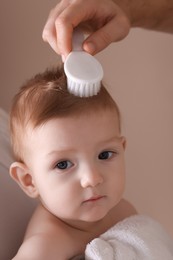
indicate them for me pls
(138, 73)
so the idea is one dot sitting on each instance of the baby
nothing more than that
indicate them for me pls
(70, 156)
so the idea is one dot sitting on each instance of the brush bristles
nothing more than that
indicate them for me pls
(83, 89)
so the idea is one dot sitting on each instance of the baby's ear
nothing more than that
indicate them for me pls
(21, 174)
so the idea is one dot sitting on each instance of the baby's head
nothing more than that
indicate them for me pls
(45, 97)
(69, 150)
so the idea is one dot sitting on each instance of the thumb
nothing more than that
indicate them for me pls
(116, 30)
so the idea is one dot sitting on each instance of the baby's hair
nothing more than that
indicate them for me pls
(45, 97)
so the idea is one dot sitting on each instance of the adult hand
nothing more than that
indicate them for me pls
(106, 22)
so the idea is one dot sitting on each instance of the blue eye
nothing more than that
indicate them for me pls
(63, 165)
(105, 155)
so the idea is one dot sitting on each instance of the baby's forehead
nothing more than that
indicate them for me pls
(71, 132)
(73, 129)
(82, 114)
(72, 119)
(70, 126)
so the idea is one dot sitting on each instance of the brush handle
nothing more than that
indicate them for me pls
(77, 39)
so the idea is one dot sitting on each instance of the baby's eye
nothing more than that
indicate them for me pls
(64, 165)
(105, 155)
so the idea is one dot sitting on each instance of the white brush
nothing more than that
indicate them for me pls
(84, 73)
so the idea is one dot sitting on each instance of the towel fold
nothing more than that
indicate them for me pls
(138, 237)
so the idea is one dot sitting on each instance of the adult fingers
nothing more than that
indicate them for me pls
(115, 30)
(107, 20)
(49, 33)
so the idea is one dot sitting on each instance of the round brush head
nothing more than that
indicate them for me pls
(84, 74)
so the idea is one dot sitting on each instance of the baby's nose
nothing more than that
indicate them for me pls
(91, 177)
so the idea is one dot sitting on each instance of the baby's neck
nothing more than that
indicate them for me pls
(93, 229)
(84, 226)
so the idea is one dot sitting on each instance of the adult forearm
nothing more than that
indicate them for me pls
(149, 14)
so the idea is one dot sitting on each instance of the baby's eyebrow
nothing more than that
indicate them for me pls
(64, 150)
(60, 151)
(116, 139)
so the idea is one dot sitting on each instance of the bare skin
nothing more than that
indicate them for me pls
(44, 229)
(106, 20)
(78, 181)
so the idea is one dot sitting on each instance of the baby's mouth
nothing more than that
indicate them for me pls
(94, 198)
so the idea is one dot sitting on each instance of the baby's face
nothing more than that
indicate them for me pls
(77, 165)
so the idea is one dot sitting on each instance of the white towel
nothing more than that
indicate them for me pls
(138, 237)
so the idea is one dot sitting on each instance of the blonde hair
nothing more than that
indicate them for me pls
(45, 97)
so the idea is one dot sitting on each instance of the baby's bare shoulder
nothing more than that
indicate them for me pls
(47, 237)
(123, 210)
(43, 247)
(127, 208)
